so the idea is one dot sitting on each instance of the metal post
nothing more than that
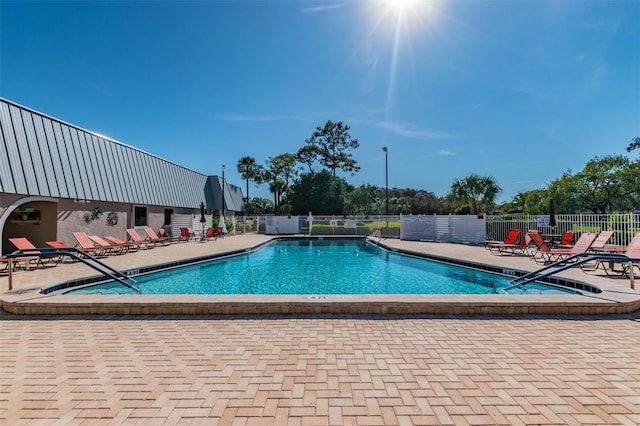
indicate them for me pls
(631, 277)
(11, 273)
(223, 190)
(386, 186)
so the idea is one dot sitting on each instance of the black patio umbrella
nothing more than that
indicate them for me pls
(552, 213)
(202, 218)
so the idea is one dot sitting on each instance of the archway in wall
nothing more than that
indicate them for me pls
(35, 218)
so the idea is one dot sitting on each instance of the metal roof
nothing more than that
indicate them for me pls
(41, 155)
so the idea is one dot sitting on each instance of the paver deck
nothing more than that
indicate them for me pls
(318, 369)
(617, 296)
(335, 370)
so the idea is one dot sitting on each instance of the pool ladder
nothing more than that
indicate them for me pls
(78, 255)
(571, 262)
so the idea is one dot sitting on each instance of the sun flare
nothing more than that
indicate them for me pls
(401, 6)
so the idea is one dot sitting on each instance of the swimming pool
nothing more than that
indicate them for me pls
(323, 267)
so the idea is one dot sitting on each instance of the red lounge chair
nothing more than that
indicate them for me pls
(111, 248)
(511, 238)
(218, 232)
(600, 243)
(126, 245)
(60, 245)
(135, 237)
(88, 246)
(16, 263)
(154, 237)
(566, 240)
(545, 255)
(57, 244)
(508, 243)
(581, 246)
(162, 233)
(510, 249)
(25, 246)
(213, 233)
(187, 234)
(632, 252)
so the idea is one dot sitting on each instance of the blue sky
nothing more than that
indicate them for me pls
(521, 91)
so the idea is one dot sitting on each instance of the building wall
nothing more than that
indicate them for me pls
(43, 158)
(62, 217)
(73, 216)
(36, 231)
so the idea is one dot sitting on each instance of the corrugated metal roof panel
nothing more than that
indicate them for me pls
(34, 153)
(23, 151)
(41, 155)
(124, 190)
(15, 161)
(104, 166)
(65, 161)
(81, 171)
(45, 155)
(56, 158)
(98, 185)
(118, 183)
(6, 130)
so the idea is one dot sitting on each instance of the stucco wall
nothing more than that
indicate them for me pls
(74, 217)
(60, 219)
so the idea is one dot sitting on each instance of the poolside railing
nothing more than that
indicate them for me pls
(624, 225)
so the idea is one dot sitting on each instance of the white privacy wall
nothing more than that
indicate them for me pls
(469, 229)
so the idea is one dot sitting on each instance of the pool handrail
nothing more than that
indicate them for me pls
(588, 257)
(103, 268)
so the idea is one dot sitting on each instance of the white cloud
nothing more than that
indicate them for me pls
(402, 129)
(319, 9)
(240, 117)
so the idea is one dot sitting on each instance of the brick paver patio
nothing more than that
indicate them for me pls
(336, 370)
(316, 369)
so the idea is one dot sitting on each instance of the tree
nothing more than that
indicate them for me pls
(605, 185)
(283, 168)
(260, 205)
(421, 201)
(276, 186)
(307, 155)
(249, 170)
(363, 200)
(535, 202)
(332, 144)
(399, 205)
(635, 144)
(320, 193)
(478, 193)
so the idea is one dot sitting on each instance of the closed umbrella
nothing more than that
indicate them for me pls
(202, 218)
(552, 213)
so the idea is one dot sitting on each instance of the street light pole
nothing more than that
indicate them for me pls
(386, 185)
(222, 191)
(386, 179)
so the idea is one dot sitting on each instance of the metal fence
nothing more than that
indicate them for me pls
(378, 226)
(624, 225)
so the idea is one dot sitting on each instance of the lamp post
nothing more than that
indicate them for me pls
(386, 179)
(386, 185)
(222, 192)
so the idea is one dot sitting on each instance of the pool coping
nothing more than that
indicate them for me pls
(32, 302)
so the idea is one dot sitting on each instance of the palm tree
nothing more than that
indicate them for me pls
(476, 192)
(249, 170)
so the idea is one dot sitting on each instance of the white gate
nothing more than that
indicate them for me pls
(450, 228)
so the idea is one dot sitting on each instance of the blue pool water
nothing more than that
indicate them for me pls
(320, 267)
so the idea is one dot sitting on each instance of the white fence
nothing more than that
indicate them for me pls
(445, 228)
(624, 225)
(452, 228)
